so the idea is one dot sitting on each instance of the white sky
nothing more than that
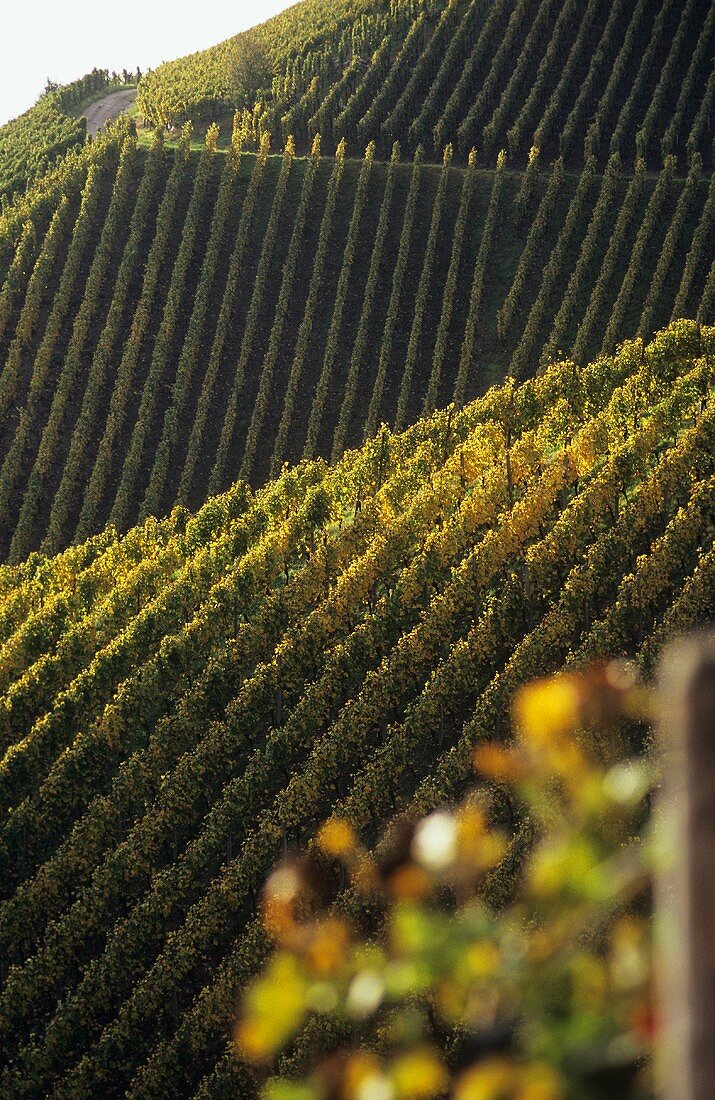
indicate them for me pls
(63, 39)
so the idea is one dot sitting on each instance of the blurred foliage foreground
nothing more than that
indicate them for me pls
(541, 995)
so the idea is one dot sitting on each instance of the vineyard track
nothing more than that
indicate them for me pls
(109, 107)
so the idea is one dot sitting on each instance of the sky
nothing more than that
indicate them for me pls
(63, 39)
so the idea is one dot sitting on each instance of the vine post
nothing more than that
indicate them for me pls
(686, 891)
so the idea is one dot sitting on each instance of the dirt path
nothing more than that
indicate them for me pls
(102, 110)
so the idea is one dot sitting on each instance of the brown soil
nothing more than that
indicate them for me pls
(103, 110)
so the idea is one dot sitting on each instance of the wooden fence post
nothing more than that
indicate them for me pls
(686, 887)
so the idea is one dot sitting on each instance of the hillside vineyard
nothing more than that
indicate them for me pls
(363, 376)
(32, 143)
(182, 702)
(574, 77)
(172, 321)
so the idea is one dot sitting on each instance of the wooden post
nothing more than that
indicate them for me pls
(686, 889)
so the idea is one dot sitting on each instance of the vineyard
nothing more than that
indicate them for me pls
(361, 377)
(593, 79)
(171, 321)
(34, 142)
(30, 144)
(183, 702)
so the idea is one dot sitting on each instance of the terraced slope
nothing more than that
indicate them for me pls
(169, 322)
(181, 703)
(570, 77)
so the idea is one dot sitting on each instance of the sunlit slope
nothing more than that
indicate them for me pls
(574, 78)
(169, 322)
(31, 144)
(204, 84)
(181, 703)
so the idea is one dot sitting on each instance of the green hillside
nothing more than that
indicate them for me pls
(31, 144)
(181, 703)
(573, 78)
(371, 378)
(175, 321)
